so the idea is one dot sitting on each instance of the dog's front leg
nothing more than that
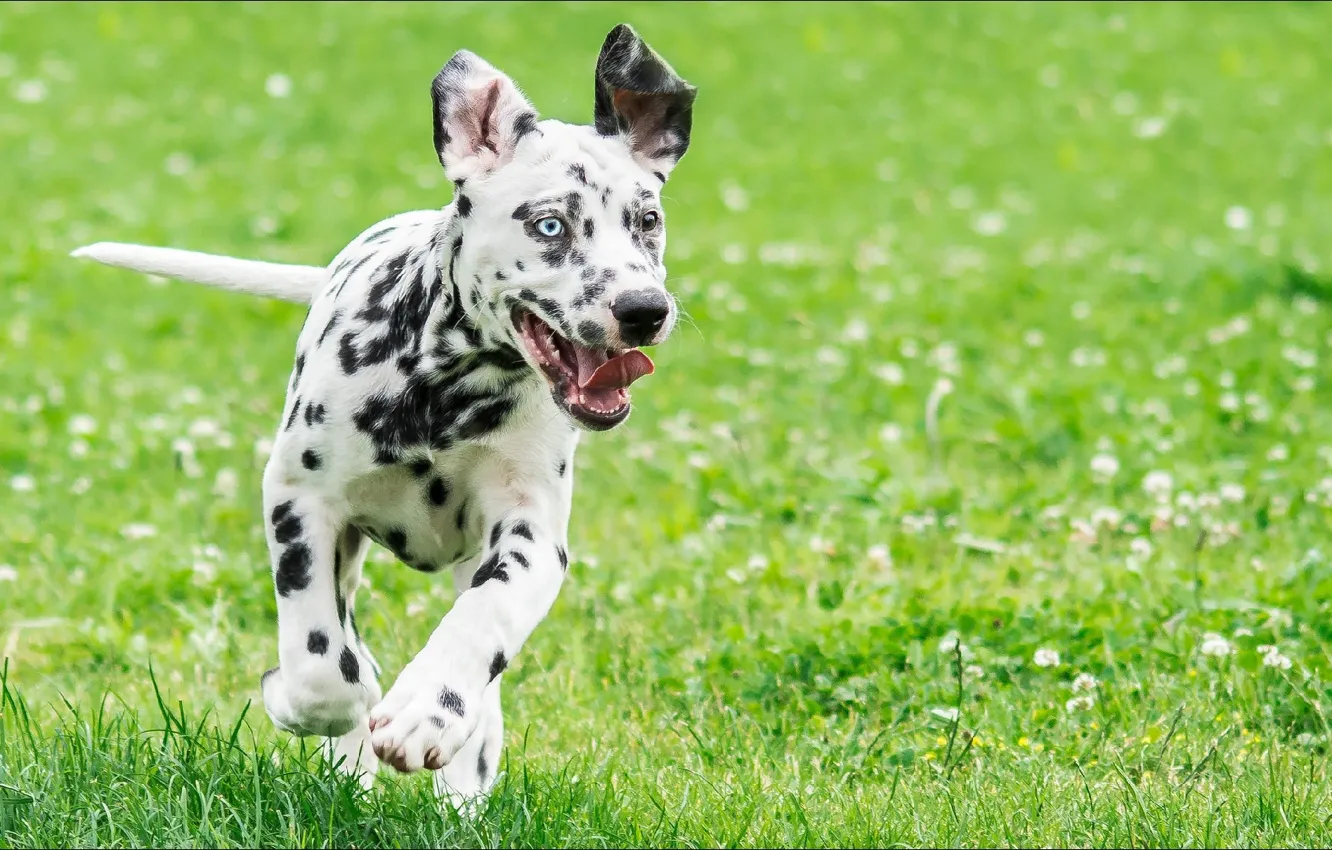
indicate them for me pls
(324, 684)
(439, 699)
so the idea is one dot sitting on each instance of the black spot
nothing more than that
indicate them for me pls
(518, 264)
(522, 125)
(310, 459)
(291, 417)
(607, 276)
(287, 529)
(587, 274)
(350, 667)
(438, 722)
(491, 568)
(590, 293)
(439, 494)
(499, 275)
(521, 559)
(481, 766)
(587, 228)
(592, 333)
(461, 519)
(579, 173)
(314, 414)
(464, 206)
(522, 212)
(450, 700)
(293, 569)
(522, 529)
(300, 367)
(626, 218)
(659, 176)
(562, 468)
(637, 267)
(564, 557)
(348, 358)
(396, 540)
(498, 664)
(495, 533)
(317, 642)
(408, 362)
(281, 511)
(421, 467)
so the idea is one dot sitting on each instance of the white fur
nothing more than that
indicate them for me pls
(253, 277)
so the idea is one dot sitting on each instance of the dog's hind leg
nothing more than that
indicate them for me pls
(324, 685)
(464, 782)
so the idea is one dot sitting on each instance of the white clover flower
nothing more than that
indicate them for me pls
(277, 85)
(82, 425)
(1141, 547)
(1045, 658)
(880, 556)
(890, 373)
(1231, 493)
(138, 530)
(1105, 465)
(1081, 703)
(1084, 682)
(1158, 483)
(1277, 660)
(8, 573)
(23, 483)
(1215, 645)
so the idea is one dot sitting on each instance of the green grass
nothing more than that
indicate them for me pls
(942, 263)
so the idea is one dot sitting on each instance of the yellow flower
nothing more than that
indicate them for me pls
(928, 757)
(1095, 725)
(1038, 747)
(1023, 741)
(1193, 673)
(940, 741)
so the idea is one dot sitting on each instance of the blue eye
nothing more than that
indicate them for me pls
(550, 227)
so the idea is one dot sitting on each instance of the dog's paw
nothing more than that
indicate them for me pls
(353, 755)
(315, 705)
(422, 724)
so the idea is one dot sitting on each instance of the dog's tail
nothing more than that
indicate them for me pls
(270, 280)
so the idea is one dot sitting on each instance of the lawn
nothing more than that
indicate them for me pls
(983, 499)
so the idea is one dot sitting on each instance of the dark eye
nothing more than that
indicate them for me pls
(649, 221)
(550, 226)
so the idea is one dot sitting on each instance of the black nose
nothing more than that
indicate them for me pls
(641, 314)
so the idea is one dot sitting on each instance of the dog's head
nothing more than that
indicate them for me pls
(563, 229)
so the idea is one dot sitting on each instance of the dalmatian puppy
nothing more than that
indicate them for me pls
(447, 365)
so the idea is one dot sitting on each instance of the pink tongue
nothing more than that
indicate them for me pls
(616, 373)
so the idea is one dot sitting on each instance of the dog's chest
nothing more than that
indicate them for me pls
(425, 512)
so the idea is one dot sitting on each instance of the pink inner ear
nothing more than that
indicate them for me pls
(486, 126)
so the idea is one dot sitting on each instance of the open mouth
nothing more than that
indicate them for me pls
(591, 384)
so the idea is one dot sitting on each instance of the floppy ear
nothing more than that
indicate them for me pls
(480, 116)
(640, 98)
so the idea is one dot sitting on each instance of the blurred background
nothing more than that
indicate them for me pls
(1007, 322)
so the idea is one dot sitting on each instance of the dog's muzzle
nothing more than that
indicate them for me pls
(590, 384)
